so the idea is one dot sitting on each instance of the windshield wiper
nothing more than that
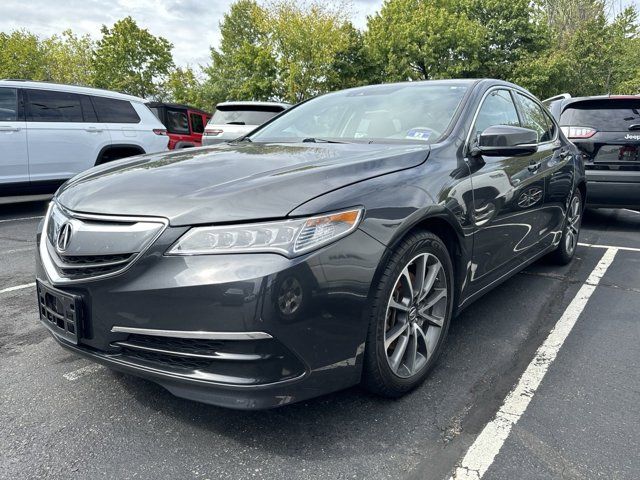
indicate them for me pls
(235, 123)
(635, 126)
(319, 140)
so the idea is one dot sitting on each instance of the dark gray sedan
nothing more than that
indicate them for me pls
(330, 247)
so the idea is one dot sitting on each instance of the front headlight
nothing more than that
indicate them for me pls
(287, 237)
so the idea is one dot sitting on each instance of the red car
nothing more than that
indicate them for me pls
(185, 124)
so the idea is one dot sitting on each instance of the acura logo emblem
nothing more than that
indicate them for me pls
(64, 237)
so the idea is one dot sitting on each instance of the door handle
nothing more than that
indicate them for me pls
(9, 129)
(93, 129)
(564, 153)
(533, 167)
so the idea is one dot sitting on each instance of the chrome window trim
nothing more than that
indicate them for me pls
(197, 334)
(47, 262)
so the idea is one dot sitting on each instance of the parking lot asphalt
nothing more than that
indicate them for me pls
(64, 417)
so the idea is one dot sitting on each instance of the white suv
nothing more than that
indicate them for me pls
(50, 132)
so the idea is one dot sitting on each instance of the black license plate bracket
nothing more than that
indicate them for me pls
(60, 312)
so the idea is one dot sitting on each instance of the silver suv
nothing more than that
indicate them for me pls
(235, 119)
(51, 132)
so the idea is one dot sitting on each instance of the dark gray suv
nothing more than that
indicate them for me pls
(331, 246)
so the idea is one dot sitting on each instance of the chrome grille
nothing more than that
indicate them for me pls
(94, 245)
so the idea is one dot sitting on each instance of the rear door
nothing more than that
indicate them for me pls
(119, 118)
(552, 164)
(63, 134)
(14, 160)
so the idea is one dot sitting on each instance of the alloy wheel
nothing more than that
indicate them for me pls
(415, 315)
(573, 225)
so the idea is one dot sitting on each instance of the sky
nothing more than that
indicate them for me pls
(191, 25)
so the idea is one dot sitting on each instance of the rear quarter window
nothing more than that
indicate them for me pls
(610, 115)
(111, 110)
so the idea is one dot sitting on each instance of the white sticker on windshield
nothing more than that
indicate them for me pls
(419, 133)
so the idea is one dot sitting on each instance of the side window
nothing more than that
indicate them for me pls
(197, 125)
(177, 122)
(48, 106)
(535, 118)
(88, 112)
(498, 109)
(111, 110)
(8, 105)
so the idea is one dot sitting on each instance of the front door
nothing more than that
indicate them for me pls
(14, 160)
(508, 193)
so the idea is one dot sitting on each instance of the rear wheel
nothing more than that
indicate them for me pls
(410, 316)
(571, 233)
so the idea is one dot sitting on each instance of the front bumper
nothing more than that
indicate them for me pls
(613, 188)
(307, 350)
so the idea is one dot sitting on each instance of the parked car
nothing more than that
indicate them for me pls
(185, 124)
(232, 120)
(606, 129)
(331, 246)
(51, 132)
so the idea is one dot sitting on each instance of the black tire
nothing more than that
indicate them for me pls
(378, 376)
(567, 249)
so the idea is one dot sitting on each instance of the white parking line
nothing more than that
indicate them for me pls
(82, 372)
(20, 219)
(607, 247)
(487, 445)
(18, 287)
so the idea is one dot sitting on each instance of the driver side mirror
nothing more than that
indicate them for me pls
(505, 141)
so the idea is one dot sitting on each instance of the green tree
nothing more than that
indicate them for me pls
(184, 86)
(511, 32)
(423, 40)
(307, 38)
(22, 56)
(286, 51)
(586, 55)
(68, 58)
(130, 59)
(244, 66)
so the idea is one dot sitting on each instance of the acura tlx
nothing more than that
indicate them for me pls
(329, 247)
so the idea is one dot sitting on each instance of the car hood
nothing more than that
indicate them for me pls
(231, 182)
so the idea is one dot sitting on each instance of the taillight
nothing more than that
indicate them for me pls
(212, 132)
(579, 132)
(160, 131)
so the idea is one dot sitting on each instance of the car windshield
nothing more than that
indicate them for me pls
(243, 115)
(413, 112)
(613, 115)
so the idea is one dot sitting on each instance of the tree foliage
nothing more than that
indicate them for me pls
(291, 50)
(130, 59)
(586, 54)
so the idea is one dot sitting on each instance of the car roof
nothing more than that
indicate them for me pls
(176, 105)
(60, 87)
(282, 105)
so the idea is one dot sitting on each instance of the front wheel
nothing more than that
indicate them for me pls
(410, 316)
(571, 233)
